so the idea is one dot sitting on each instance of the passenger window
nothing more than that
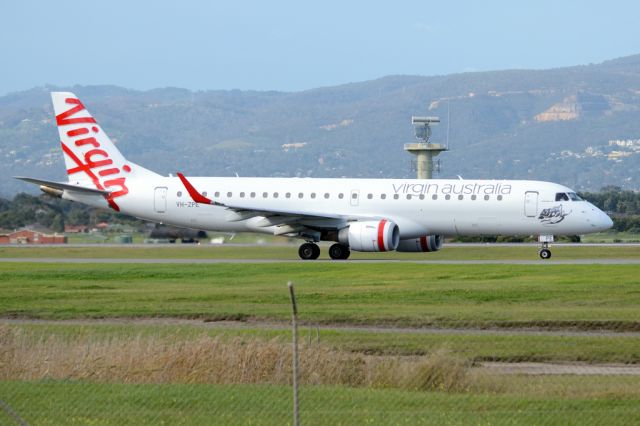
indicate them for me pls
(561, 196)
(369, 196)
(217, 194)
(264, 195)
(434, 197)
(460, 197)
(288, 195)
(275, 195)
(473, 197)
(179, 194)
(326, 195)
(229, 194)
(383, 196)
(313, 195)
(354, 195)
(341, 195)
(300, 195)
(253, 195)
(396, 196)
(204, 194)
(422, 196)
(242, 195)
(408, 196)
(447, 197)
(486, 198)
(499, 197)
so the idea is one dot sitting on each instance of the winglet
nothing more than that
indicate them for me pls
(195, 195)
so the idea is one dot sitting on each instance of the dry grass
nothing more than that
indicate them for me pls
(219, 360)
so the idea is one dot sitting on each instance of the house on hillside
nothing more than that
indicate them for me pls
(31, 235)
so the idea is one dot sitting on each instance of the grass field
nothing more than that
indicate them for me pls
(100, 303)
(82, 403)
(583, 296)
(188, 251)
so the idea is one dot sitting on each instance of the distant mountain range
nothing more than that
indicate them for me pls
(579, 126)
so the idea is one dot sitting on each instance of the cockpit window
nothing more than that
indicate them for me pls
(566, 196)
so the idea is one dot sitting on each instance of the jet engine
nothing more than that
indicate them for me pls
(426, 243)
(378, 235)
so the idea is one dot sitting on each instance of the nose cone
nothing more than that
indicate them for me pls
(602, 222)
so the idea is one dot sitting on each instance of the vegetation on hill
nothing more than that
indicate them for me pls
(579, 126)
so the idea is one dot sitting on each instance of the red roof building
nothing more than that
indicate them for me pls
(30, 236)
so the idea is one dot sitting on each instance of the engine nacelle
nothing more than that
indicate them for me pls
(426, 243)
(375, 235)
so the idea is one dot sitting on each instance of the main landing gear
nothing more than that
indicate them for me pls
(339, 252)
(311, 251)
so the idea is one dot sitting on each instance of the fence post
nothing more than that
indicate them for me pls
(294, 316)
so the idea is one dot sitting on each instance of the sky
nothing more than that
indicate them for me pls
(298, 45)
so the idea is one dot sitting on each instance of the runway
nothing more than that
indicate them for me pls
(540, 262)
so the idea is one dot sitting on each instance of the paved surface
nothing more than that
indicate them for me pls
(541, 369)
(295, 245)
(635, 261)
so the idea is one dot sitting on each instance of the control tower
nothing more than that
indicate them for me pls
(424, 150)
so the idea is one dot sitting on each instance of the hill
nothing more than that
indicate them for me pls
(578, 125)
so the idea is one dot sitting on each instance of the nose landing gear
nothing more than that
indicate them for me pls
(544, 252)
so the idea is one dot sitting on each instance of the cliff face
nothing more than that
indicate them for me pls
(568, 109)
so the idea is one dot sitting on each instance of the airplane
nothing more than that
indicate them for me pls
(366, 215)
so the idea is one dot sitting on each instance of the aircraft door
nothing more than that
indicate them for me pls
(530, 203)
(160, 199)
(355, 197)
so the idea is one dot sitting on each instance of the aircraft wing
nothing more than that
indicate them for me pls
(64, 186)
(273, 216)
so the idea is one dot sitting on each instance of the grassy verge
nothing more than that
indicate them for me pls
(189, 251)
(166, 378)
(549, 296)
(611, 237)
(75, 403)
(473, 347)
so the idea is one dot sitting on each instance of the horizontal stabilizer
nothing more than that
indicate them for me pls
(64, 186)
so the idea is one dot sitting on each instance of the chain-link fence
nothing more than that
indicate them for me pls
(78, 374)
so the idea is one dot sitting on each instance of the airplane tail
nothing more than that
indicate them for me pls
(91, 158)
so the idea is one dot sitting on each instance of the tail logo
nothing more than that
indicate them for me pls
(96, 160)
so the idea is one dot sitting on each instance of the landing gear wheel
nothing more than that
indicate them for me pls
(309, 251)
(339, 252)
(545, 253)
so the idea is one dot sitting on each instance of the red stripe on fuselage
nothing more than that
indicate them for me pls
(381, 235)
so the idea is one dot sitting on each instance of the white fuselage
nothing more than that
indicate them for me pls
(418, 207)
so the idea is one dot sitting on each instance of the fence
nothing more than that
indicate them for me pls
(93, 373)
